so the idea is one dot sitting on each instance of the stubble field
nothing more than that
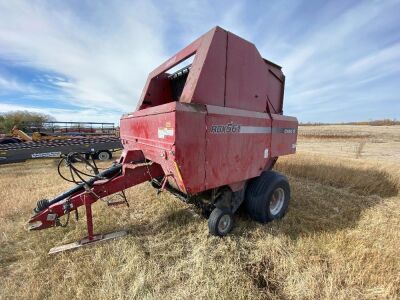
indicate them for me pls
(339, 240)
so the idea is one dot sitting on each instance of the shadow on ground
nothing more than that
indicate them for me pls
(327, 198)
(358, 179)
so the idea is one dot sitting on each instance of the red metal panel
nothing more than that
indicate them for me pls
(250, 81)
(206, 81)
(172, 135)
(246, 76)
(237, 146)
(168, 107)
(276, 84)
(153, 134)
(190, 148)
(284, 135)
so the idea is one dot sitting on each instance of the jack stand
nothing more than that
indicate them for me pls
(91, 238)
(119, 202)
(163, 183)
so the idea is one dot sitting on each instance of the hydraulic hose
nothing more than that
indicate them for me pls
(80, 187)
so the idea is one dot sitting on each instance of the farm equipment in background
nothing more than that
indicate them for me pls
(55, 142)
(51, 130)
(19, 136)
(36, 136)
(209, 133)
(56, 128)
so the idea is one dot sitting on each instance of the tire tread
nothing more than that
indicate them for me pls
(256, 192)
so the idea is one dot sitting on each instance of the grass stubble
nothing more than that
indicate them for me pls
(339, 240)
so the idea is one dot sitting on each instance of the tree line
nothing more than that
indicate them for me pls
(17, 118)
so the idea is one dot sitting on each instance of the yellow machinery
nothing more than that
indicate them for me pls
(36, 136)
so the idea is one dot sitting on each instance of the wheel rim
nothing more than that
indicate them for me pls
(277, 200)
(104, 156)
(224, 224)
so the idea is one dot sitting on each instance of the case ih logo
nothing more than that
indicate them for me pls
(228, 128)
(289, 130)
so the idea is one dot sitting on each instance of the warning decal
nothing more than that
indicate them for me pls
(163, 132)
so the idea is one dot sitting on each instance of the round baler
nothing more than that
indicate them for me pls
(209, 132)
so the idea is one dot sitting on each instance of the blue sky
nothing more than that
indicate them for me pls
(89, 60)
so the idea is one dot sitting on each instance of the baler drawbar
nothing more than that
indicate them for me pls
(209, 132)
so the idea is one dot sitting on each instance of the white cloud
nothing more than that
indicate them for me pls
(334, 41)
(381, 58)
(106, 61)
(11, 84)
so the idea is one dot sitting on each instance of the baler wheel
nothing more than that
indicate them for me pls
(220, 222)
(267, 197)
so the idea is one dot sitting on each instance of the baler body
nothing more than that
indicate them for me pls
(204, 147)
(216, 122)
(212, 130)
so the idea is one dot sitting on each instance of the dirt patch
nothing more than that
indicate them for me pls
(263, 276)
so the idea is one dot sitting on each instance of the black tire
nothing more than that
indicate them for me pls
(215, 225)
(104, 155)
(267, 197)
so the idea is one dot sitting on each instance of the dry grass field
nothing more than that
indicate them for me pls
(339, 240)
